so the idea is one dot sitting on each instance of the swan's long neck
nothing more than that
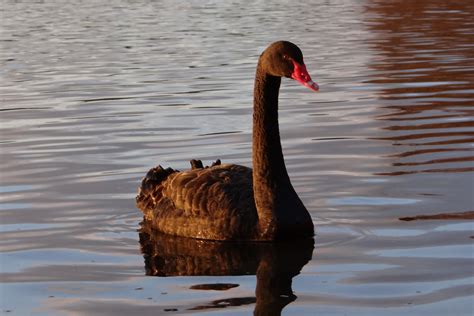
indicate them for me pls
(273, 191)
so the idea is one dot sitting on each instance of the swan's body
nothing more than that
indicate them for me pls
(233, 202)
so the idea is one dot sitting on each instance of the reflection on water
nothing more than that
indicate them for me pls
(94, 94)
(426, 83)
(274, 264)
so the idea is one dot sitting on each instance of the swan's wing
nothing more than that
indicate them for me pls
(199, 201)
(210, 191)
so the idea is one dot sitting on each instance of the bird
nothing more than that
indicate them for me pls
(230, 202)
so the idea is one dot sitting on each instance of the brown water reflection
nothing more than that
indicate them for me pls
(425, 75)
(274, 264)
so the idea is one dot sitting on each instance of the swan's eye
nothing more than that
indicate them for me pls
(286, 57)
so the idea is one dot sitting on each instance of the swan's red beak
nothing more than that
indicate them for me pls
(301, 75)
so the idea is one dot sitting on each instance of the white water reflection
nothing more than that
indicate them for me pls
(367, 200)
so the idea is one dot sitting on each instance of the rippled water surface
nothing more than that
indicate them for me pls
(94, 93)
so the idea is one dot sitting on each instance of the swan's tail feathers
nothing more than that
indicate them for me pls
(150, 189)
(158, 174)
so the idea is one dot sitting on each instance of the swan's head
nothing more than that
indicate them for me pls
(285, 59)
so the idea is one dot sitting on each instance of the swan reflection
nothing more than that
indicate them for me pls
(274, 264)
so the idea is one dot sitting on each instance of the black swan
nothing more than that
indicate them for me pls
(233, 202)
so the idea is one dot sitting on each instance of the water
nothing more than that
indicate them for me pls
(94, 93)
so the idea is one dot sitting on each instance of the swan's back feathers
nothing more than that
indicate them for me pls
(213, 202)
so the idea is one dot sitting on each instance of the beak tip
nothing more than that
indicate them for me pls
(312, 85)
